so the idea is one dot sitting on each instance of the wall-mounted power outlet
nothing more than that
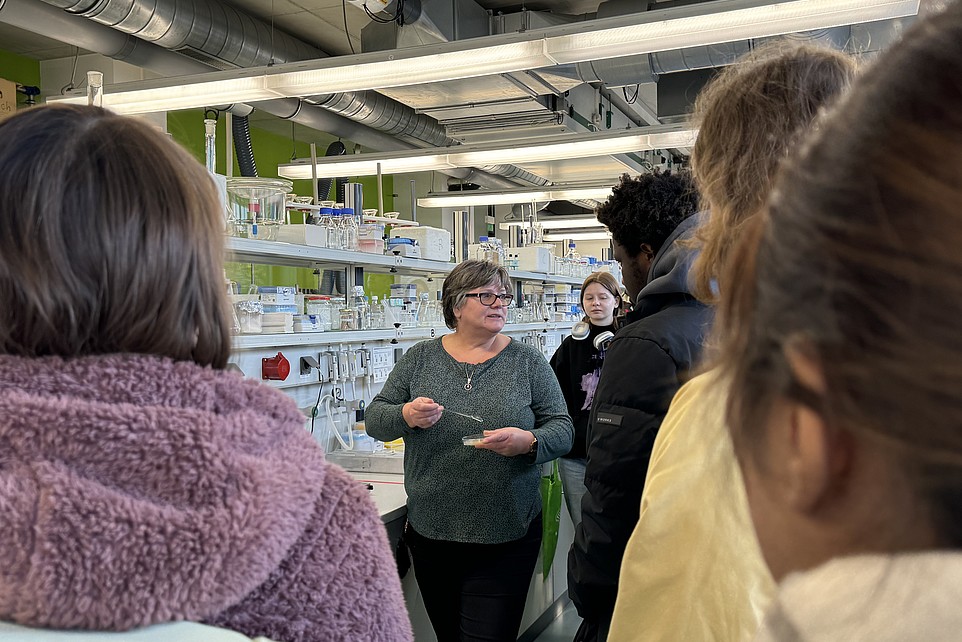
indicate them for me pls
(306, 364)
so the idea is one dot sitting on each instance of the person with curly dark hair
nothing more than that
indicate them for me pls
(651, 218)
(641, 214)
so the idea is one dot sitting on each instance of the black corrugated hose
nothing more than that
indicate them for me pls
(336, 148)
(242, 146)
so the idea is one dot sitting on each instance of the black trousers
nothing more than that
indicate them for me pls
(475, 591)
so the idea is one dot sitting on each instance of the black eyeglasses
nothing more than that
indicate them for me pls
(487, 298)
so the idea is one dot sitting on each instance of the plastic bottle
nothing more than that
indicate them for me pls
(498, 247)
(572, 259)
(425, 313)
(376, 314)
(489, 251)
(360, 307)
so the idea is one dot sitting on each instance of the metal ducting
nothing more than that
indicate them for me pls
(46, 20)
(221, 36)
(207, 29)
(645, 68)
(386, 115)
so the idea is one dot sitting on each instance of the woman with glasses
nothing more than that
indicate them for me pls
(474, 509)
(577, 364)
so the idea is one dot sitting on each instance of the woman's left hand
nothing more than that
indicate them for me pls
(509, 441)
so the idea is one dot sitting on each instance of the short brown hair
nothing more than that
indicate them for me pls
(466, 276)
(857, 265)
(111, 240)
(750, 117)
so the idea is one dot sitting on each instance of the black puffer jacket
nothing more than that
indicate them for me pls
(645, 365)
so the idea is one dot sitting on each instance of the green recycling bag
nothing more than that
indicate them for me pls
(550, 516)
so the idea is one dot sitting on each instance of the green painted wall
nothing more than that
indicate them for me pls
(271, 150)
(19, 69)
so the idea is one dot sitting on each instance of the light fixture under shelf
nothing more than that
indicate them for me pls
(548, 148)
(558, 223)
(638, 33)
(577, 236)
(512, 196)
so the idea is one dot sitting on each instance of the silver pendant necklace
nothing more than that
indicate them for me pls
(469, 376)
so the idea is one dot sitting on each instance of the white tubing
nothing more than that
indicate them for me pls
(349, 443)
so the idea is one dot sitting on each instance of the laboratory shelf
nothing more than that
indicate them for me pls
(288, 339)
(252, 341)
(544, 277)
(291, 254)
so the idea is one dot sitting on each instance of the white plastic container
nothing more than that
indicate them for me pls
(303, 234)
(404, 291)
(434, 242)
(534, 259)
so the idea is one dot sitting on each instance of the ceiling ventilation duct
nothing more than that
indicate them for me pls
(219, 31)
(46, 20)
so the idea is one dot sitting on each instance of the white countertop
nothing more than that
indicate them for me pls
(388, 493)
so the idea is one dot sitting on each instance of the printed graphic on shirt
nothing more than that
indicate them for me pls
(589, 383)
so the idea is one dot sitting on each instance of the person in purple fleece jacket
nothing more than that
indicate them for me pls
(140, 482)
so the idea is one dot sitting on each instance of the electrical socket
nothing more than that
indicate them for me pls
(308, 363)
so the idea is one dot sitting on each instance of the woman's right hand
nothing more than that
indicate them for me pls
(421, 413)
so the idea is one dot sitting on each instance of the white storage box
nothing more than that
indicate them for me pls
(315, 235)
(277, 295)
(534, 259)
(373, 231)
(404, 291)
(434, 242)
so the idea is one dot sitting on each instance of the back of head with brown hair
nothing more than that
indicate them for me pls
(111, 240)
(857, 264)
(750, 117)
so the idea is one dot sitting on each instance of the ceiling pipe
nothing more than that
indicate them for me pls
(220, 36)
(46, 20)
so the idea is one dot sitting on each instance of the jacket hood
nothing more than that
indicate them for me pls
(669, 269)
(135, 489)
(669, 272)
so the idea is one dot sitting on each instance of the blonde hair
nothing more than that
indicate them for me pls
(856, 265)
(749, 118)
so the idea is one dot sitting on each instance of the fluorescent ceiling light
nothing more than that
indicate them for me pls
(558, 223)
(512, 196)
(578, 236)
(569, 223)
(478, 155)
(617, 36)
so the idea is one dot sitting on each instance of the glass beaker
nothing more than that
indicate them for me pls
(256, 206)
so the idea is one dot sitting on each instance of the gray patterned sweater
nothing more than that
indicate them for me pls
(461, 493)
